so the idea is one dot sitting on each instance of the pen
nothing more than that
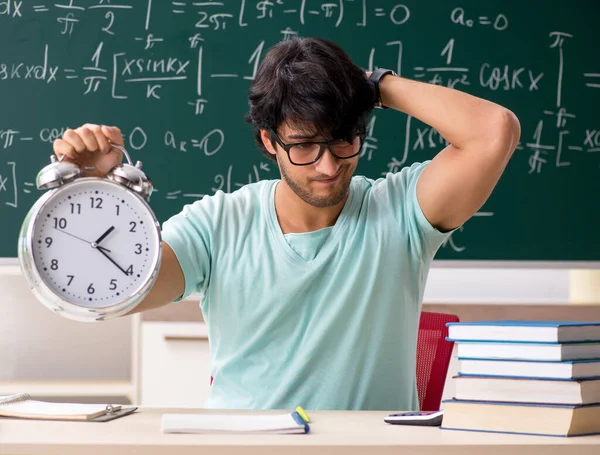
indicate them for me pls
(302, 414)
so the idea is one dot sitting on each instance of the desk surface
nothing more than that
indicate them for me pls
(333, 432)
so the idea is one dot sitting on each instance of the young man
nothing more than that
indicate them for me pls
(312, 284)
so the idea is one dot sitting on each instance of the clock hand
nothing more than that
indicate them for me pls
(103, 251)
(78, 238)
(103, 236)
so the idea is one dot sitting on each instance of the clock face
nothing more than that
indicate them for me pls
(95, 243)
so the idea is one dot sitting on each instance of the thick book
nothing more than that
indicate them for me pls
(527, 351)
(535, 331)
(22, 406)
(288, 423)
(552, 391)
(568, 369)
(504, 417)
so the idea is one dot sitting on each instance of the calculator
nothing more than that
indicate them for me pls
(424, 418)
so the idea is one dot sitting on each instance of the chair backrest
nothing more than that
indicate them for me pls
(433, 357)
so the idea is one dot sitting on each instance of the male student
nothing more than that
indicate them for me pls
(312, 284)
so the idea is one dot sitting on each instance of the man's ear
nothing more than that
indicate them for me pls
(266, 140)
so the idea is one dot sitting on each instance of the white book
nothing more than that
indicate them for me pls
(234, 423)
(527, 390)
(526, 331)
(528, 351)
(521, 418)
(568, 369)
(22, 406)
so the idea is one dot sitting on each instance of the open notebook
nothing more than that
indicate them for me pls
(21, 405)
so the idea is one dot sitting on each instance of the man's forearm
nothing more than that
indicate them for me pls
(460, 118)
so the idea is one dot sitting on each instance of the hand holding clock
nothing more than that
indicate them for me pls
(89, 146)
(68, 278)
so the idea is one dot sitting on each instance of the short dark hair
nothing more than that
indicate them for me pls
(312, 84)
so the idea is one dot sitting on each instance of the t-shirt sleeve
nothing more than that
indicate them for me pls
(399, 192)
(190, 235)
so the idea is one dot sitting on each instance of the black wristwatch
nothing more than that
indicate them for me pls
(375, 77)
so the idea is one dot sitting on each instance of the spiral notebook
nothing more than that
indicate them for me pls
(22, 406)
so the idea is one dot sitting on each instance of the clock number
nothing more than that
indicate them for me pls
(96, 202)
(70, 277)
(129, 271)
(113, 284)
(133, 225)
(48, 241)
(91, 289)
(138, 248)
(75, 207)
(54, 264)
(60, 223)
(118, 209)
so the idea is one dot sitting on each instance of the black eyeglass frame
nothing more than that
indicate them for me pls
(322, 146)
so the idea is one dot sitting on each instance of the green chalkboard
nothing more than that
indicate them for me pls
(175, 75)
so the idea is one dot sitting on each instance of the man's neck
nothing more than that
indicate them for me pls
(297, 216)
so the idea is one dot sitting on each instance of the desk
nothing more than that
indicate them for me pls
(332, 432)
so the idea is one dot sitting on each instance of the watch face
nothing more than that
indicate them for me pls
(95, 243)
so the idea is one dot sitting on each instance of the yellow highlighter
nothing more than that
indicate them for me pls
(302, 414)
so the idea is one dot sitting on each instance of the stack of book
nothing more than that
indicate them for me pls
(529, 377)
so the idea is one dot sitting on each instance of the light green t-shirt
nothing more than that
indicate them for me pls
(325, 319)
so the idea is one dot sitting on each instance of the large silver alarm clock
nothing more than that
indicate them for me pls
(90, 248)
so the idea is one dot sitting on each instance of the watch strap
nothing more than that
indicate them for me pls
(375, 78)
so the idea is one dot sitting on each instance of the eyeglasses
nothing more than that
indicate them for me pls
(304, 153)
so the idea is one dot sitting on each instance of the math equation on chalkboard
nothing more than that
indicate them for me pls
(174, 76)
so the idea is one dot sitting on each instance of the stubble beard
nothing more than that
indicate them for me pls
(321, 202)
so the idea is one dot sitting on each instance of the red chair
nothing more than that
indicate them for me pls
(433, 357)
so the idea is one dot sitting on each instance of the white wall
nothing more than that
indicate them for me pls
(497, 285)
(36, 343)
